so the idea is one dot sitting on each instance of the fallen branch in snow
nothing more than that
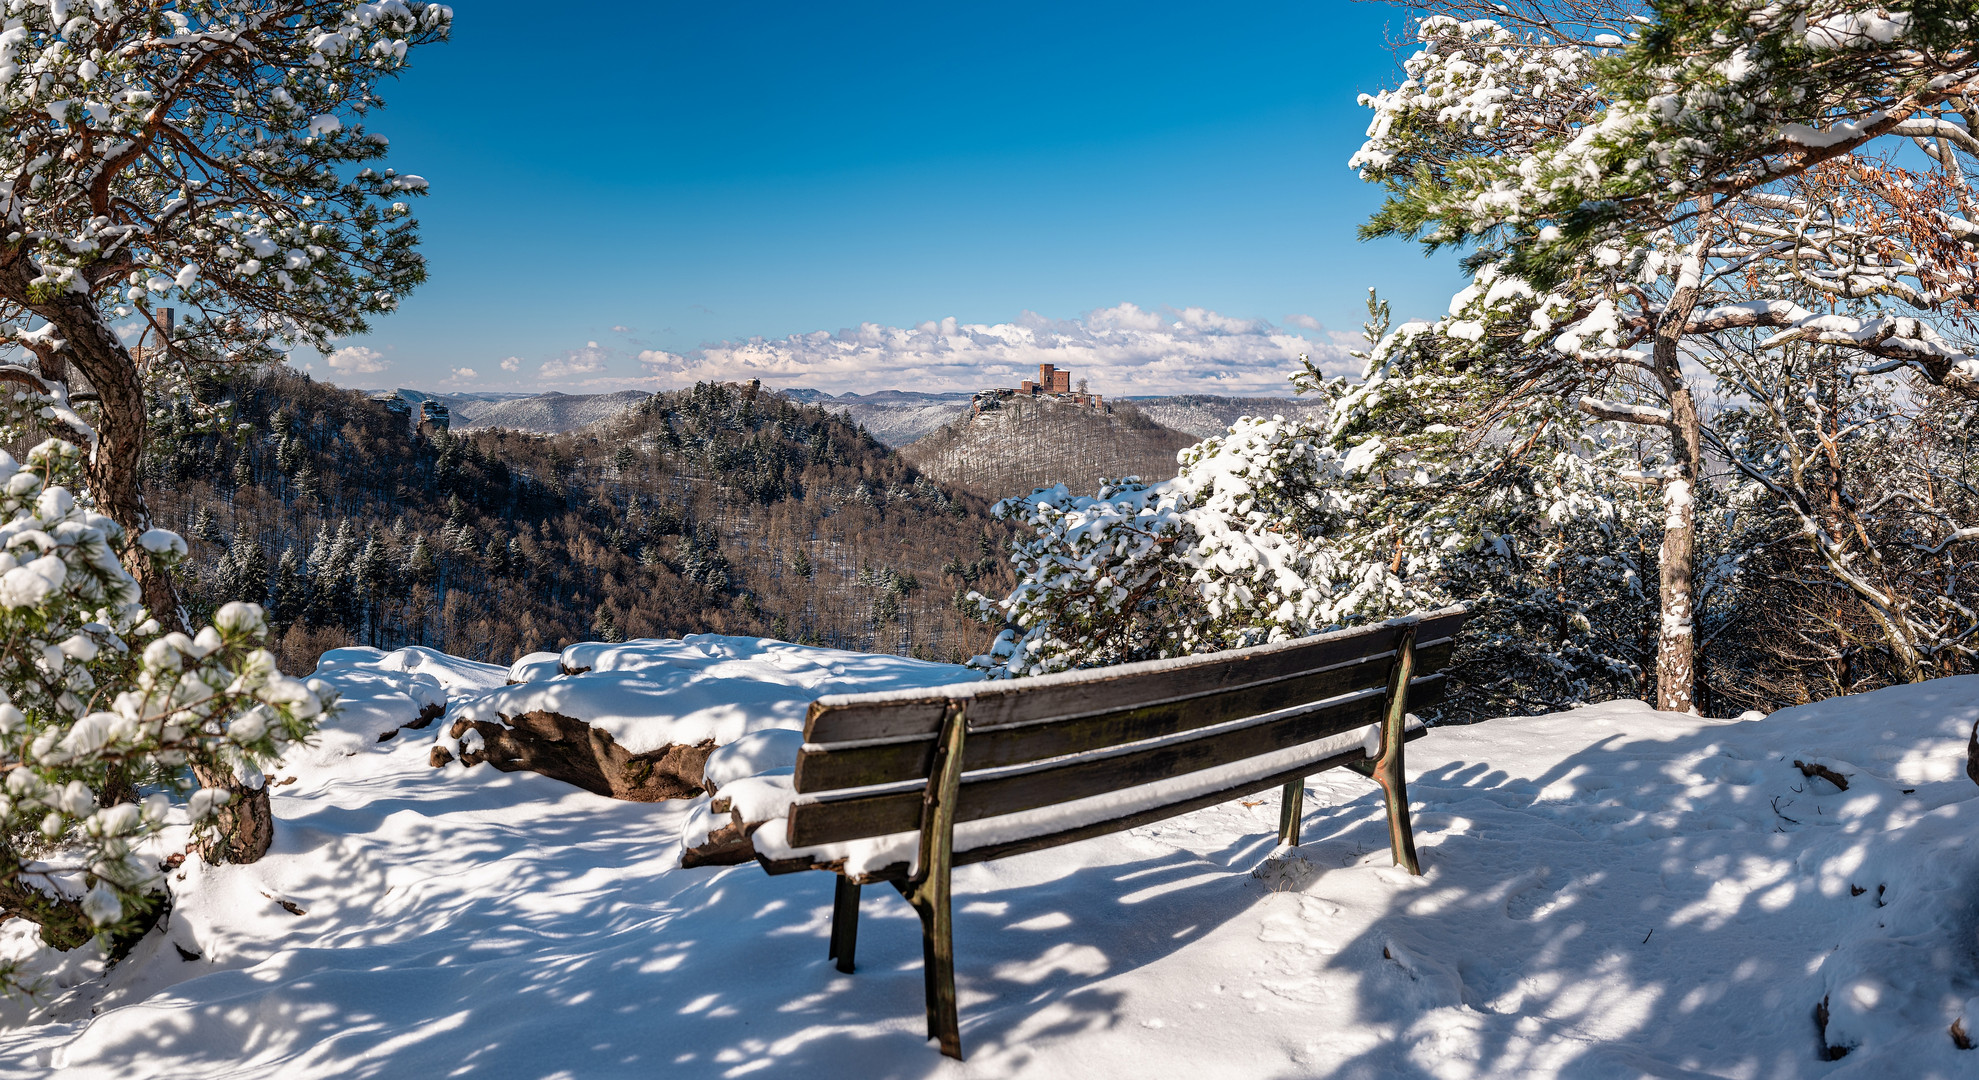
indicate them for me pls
(1972, 754)
(1815, 768)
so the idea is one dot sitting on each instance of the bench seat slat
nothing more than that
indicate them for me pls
(1047, 697)
(1163, 813)
(828, 821)
(830, 768)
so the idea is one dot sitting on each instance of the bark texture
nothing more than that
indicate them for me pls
(114, 471)
(243, 829)
(1676, 564)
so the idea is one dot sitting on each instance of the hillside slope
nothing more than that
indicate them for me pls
(550, 413)
(1204, 415)
(1031, 444)
(707, 510)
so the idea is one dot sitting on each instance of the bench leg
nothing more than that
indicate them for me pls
(928, 891)
(1387, 769)
(1291, 807)
(844, 921)
(931, 903)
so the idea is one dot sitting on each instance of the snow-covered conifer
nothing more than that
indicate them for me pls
(1405, 496)
(93, 692)
(208, 156)
(1506, 136)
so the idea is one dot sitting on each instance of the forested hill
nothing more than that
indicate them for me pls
(1031, 444)
(716, 509)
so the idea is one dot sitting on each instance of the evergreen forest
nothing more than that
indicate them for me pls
(719, 509)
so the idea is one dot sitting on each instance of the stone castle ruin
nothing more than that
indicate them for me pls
(1053, 384)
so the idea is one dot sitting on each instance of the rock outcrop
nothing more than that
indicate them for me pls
(568, 749)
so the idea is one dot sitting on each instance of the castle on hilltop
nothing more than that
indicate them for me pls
(1052, 384)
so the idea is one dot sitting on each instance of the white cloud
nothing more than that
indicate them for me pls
(621, 329)
(586, 361)
(513, 363)
(1304, 322)
(1122, 350)
(358, 360)
(464, 374)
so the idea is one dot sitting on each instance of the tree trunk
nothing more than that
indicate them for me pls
(242, 829)
(114, 475)
(1676, 638)
(114, 472)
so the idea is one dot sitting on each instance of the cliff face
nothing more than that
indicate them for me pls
(1028, 444)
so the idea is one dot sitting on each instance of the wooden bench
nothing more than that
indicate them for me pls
(1138, 743)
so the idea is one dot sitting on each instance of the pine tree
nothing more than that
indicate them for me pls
(249, 566)
(419, 568)
(604, 626)
(371, 578)
(289, 595)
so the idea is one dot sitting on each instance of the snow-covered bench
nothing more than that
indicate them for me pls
(977, 771)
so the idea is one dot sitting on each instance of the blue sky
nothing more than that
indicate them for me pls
(674, 180)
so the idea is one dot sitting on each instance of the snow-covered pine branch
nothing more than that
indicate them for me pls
(211, 156)
(96, 697)
(1402, 497)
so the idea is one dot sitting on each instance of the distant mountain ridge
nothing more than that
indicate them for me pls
(901, 417)
(1204, 415)
(553, 413)
(548, 413)
(896, 418)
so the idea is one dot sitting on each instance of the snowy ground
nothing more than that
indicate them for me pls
(1609, 892)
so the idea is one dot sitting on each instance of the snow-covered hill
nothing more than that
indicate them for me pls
(550, 413)
(1030, 444)
(895, 417)
(1609, 891)
(1204, 415)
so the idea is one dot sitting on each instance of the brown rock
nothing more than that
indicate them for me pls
(427, 714)
(727, 845)
(568, 749)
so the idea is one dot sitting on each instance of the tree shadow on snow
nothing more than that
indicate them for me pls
(568, 945)
(1586, 922)
(1663, 907)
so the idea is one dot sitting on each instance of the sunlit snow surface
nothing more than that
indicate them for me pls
(1609, 892)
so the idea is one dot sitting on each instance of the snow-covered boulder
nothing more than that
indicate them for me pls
(380, 694)
(534, 667)
(639, 720)
(749, 783)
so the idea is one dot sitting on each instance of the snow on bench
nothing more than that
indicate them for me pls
(901, 786)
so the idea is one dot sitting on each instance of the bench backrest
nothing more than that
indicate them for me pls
(1052, 739)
